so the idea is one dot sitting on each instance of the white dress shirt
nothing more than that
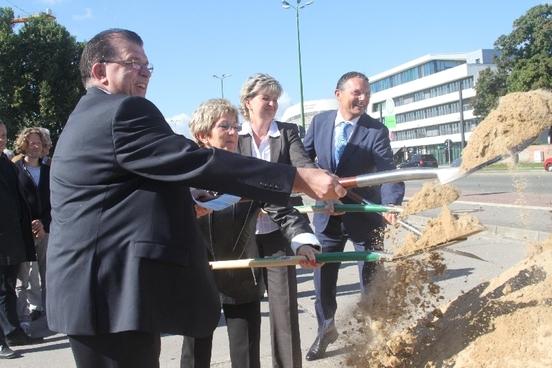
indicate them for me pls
(265, 225)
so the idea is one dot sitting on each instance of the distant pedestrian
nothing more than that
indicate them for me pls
(34, 179)
(16, 247)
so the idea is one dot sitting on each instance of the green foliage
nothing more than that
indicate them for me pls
(525, 62)
(489, 86)
(39, 77)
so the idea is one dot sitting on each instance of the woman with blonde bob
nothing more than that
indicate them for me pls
(262, 136)
(230, 234)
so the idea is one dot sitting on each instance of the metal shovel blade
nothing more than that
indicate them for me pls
(443, 175)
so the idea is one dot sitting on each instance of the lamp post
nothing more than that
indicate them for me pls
(299, 6)
(221, 78)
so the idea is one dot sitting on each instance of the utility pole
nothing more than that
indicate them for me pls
(299, 6)
(461, 103)
(221, 78)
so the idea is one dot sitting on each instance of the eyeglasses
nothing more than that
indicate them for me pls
(131, 63)
(228, 127)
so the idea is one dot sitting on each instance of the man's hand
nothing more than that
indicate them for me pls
(38, 229)
(201, 211)
(310, 253)
(318, 184)
(390, 217)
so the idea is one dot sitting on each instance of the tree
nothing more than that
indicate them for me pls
(525, 61)
(490, 85)
(39, 76)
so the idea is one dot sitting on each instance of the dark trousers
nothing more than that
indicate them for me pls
(243, 323)
(9, 321)
(130, 349)
(282, 303)
(333, 239)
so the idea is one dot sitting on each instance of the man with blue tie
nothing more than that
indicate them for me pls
(348, 142)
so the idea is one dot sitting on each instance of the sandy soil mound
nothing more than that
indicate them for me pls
(519, 116)
(506, 322)
(432, 195)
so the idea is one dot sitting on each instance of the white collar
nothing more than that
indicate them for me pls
(273, 130)
(340, 119)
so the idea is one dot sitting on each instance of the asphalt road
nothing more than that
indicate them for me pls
(518, 200)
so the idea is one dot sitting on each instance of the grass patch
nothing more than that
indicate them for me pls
(518, 166)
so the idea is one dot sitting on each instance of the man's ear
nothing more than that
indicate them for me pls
(98, 71)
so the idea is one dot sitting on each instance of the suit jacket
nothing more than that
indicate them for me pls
(16, 239)
(38, 197)
(230, 234)
(368, 150)
(125, 253)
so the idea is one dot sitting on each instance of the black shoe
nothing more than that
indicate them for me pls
(19, 337)
(319, 346)
(7, 353)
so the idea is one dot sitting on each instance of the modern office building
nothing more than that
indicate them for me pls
(293, 113)
(424, 100)
(420, 102)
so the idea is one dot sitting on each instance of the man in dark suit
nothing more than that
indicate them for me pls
(125, 260)
(348, 142)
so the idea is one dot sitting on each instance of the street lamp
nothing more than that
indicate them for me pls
(221, 78)
(299, 6)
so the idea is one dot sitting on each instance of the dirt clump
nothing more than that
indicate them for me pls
(519, 117)
(399, 292)
(439, 230)
(432, 195)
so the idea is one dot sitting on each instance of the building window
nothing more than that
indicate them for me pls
(436, 91)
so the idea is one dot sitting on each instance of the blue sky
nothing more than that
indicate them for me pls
(189, 41)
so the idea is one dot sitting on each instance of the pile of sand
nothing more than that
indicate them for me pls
(432, 195)
(444, 228)
(519, 117)
(506, 322)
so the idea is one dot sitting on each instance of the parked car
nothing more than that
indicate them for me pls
(419, 160)
(548, 164)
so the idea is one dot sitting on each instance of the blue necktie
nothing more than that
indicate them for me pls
(341, 138)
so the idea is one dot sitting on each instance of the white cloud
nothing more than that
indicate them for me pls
(179, 124)
(87, 14)
(283, 103)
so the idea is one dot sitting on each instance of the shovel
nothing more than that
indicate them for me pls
(443, 175)
(350, 207)
(283, 261)
(413, 229)
(331, 257)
